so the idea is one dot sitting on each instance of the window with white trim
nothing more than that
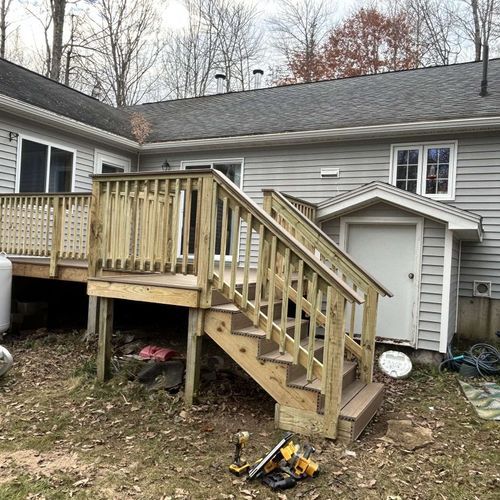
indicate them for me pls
(44, 168)
(109, 163)
(426, 169)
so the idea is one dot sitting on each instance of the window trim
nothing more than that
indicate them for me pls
(211, 162)
(423, 147)
(101, 156)
(50, 145)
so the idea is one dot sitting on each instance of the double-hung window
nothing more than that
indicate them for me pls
(44, 168)
(426, 169)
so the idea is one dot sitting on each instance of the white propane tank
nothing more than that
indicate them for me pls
(5, 291)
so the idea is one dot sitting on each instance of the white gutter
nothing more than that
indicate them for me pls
(334, 134)
(24, 110)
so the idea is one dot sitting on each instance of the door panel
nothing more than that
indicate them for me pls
(388, 252)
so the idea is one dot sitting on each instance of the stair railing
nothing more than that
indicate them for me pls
(286, 213)
(301, 281)
(45, 225)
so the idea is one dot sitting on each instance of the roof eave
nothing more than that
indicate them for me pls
(332, 134)
(29, 111)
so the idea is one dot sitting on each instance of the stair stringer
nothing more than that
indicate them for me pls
(244, 350)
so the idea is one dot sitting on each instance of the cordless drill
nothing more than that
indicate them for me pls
(239, 466)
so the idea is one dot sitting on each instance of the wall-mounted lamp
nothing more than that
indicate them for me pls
(12, 136)
(165, 165)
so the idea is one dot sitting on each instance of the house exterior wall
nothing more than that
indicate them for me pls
(85, 151)
(430, 295)
(296, 170)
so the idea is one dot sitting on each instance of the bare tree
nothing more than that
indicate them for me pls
(480, 20)
(126, 49)
(4, 11)
(58, 15)
(300, 27)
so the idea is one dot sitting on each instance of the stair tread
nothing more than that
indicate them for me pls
(355, 407)
(351, 391)
(229, 308)
(318, 343)
(255, 330)
(315, 384)
(277, 356)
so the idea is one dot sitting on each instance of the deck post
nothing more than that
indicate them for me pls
(368, 334)
(193, 357)
(58, 208)
(93, 316)
(95, 230)
(105, 333)
(334, 362)
(204, 249)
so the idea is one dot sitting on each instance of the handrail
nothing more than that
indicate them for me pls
(303, 229)
(324, 244)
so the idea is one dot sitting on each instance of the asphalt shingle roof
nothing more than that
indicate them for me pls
(437, 93)
(25, 85)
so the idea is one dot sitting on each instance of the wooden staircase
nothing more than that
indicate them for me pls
(299, 402)
(265, 283)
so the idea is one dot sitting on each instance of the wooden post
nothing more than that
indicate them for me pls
(204, 249)
(95, 230)
(92, 318)
(58, 207)
(105, 333)
(333, 361)
(193, 358)
(368, 334)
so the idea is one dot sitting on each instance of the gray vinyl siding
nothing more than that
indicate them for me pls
(454, 286)
(85, 151)
(431, 285)
(296, 170)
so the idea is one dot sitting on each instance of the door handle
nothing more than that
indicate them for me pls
(411, 276)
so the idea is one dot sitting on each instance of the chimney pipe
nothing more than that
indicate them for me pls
(484, 81)
(220, 77)
(257, 78)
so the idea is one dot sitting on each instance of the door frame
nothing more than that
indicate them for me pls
(203, 164)
(418, 222)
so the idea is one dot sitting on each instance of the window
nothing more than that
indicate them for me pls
(44, 168)
(109, 163)
(427, 169)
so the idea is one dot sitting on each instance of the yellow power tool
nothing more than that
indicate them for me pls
(239, 466)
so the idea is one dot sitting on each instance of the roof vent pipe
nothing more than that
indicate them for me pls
(220, 77)
(257, 78)
(484, 81)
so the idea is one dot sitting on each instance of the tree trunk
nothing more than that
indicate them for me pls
(58, 13)
(477, 30)
(3, 26)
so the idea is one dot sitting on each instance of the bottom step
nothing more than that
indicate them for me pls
(360, 405)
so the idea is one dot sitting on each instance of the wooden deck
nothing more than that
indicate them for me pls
(264, 283)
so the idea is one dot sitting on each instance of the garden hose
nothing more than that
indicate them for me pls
(484, 358)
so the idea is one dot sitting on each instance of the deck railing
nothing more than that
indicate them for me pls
(45, 225)
(360, 318)
(306, 208)
(191, 222)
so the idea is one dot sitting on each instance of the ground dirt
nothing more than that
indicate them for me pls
(62, 435)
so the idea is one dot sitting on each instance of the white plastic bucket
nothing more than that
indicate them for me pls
(5, 291)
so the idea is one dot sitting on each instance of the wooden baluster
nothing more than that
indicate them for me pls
(235, 236)
(22, 224)
(261, 272)
(48, 225)
(246, 263)
(56, 234)
(313, 294)
(165, 250)
(297, 336)
(223, 241)
(197, 227)
(333, 361)
(272, 291)
(64, 223)
(186, 225)
(213, 228)
(127, 228)
(284, 303)
(175, 227)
